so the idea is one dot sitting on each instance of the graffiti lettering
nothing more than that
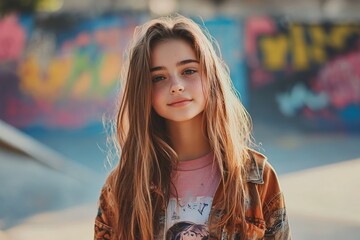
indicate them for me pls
(77, 77)
(59, 78)
(303, 45)
(319, 39)
(274, 51)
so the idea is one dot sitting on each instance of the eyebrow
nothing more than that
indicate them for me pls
(183, 62)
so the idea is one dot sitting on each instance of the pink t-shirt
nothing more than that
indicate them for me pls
(195, 182)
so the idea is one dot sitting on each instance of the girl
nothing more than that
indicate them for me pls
(184, 138)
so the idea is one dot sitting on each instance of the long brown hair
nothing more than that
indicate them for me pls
(142, 177)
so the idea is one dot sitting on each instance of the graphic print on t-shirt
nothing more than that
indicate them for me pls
(188, 220)
(194, 186)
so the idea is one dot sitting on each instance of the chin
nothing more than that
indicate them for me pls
(183, 117)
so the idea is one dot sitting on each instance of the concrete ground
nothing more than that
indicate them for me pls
(318, 172)
(323, 202)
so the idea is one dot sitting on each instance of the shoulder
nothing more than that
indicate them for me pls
(259, 170)
(269, 197)
(262, 174)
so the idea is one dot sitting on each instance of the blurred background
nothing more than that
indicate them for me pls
(295, 64)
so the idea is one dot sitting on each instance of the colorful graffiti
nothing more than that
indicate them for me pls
(302, 53)
(312, 69)
(61, 78)
(66, 74)
(340, 79)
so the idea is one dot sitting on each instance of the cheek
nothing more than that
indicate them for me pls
(156, 98)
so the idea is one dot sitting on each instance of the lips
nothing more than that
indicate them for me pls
(180, 102)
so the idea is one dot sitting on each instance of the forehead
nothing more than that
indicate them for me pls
(171, 51)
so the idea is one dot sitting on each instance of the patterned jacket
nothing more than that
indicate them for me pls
(266, 216)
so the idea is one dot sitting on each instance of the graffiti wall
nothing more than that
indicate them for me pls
(61, 71)
(306, 71)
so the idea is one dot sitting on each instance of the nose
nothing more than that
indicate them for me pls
(177, 87)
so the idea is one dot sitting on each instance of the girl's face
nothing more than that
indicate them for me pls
(177, 89)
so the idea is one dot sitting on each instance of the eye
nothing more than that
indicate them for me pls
(157, 78)
(189, 71)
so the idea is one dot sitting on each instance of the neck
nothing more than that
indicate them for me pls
(188, 138)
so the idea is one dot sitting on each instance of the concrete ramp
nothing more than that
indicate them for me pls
(14, 140)
(36, 179)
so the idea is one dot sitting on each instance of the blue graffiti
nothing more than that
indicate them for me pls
(298, 97)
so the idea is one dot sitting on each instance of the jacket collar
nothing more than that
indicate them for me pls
(256, 167)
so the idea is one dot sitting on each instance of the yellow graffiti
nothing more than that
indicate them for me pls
(300, 56)
(110, 70)
(319, 39)
(58, 81)
(81, 86)
(338, 36)
(41, 84)
(274, 50)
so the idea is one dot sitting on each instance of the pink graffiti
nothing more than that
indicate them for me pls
(254, 27)
(340, 79)
(12, 38)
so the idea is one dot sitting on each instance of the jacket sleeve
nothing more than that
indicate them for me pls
(274, 210)
(104, 218)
